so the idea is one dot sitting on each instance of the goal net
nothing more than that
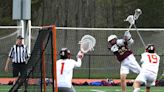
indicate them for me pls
(41, 66)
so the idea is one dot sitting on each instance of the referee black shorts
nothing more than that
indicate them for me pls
(19, 68)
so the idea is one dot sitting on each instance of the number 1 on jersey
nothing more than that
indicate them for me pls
(152, 58)
(62, 68)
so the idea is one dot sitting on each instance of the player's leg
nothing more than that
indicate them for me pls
(123, 82)
(140, 79)
(123, 74)
(15, 73)
(136, 86)
(23, 73)
(133, 65)
(147, 89)
(150, 81)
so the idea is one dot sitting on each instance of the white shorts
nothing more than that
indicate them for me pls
(147, 77)
(128, 64)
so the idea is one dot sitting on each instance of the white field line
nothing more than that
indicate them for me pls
(97, 90)
(118, 90)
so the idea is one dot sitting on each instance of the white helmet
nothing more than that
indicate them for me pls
(111, 37)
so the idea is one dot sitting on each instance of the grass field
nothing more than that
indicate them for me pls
(96, 89)
(112, 89)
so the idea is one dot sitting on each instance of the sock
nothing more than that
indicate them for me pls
(136, 90)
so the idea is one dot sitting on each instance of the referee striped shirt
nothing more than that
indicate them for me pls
(18, 53)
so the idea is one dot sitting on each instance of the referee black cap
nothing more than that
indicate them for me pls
(20, 37)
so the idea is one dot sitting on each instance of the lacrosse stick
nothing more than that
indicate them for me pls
(87, 43)
(139, 36)
(131, 19)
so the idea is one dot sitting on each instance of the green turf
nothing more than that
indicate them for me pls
(112, 89)
(96, 89)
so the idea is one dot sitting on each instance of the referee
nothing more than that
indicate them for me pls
(18, 56)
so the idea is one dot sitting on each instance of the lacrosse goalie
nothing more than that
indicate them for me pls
(124, 55)
(148, 74)
(65, 66)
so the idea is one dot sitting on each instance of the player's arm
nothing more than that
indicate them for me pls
(114, 48)
(7, 64)
(120, 42)
(9, 58)
(80, 55)
(142, 58)
(128, 38)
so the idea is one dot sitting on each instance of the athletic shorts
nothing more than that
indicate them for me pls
(19, 69)
(66, 89)
(129, 64)
(148, 78)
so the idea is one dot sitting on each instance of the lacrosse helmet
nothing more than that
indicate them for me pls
(150, 48)
(65, 53)
(111, 37)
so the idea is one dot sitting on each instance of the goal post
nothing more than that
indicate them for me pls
(54, 56)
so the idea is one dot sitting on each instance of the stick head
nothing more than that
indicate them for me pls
(87, 43)
(137, 13)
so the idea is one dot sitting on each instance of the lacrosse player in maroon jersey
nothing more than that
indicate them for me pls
(124, 55)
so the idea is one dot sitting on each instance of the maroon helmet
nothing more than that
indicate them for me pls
(65, 53)
(150, 48)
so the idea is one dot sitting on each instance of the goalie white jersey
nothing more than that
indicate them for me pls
(65, 71)
(150, 62)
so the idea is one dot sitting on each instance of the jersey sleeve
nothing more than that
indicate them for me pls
(78, 62)
(11, 53)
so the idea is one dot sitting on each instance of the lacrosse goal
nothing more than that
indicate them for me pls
(41, 74)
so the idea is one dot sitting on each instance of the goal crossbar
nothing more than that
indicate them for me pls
(83, 28)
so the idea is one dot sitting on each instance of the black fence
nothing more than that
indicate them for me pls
(93, 66)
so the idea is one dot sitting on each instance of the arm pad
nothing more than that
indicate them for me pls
(128, 38)
(127, 35)
(114, 48)
(130, 41)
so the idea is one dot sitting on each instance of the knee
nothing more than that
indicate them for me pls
(123, 77)
(123, 80)
(136, 84)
